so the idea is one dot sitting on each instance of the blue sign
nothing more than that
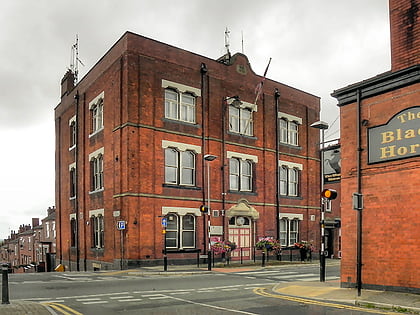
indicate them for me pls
(121, 225)
(164, 222)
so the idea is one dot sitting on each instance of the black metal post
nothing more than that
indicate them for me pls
(241, 256)
(209, 260)
(5, 284)
(263, 259)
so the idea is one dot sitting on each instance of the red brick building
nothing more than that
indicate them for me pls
(380, 149)
(31, 248)
(134, 140)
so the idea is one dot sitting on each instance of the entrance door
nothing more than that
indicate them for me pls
(240, 233)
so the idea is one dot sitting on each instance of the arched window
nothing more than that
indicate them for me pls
(97, 170)
(179, 105)
(97, 114)
(289, 181)
(97, 228)
(180, 231)
(240, 174)
(289, 231)
(179, 167)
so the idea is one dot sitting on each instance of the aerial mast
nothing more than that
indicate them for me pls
(74, 60)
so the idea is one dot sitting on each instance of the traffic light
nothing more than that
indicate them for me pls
(204, 209)
(330, 194)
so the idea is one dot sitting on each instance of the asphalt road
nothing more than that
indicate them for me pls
(244, 292)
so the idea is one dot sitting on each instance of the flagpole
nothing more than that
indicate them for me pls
(259, 86)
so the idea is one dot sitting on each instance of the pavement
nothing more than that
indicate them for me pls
(328, 293)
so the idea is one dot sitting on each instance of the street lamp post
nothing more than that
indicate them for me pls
(208, 158)
(321, 125)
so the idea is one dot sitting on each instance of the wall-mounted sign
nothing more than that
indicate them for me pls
(397, 139)
(332, 164)
(121, 225)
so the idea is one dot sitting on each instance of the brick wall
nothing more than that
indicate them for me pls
(405, 33)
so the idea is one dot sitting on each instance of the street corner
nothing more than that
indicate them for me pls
(307, 290)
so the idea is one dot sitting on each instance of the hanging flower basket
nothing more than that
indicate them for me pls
(268, 244)
(223, 247)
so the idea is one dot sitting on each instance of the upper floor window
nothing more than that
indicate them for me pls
(180, 101)
(96, 108)
(179, 167)
(240, 175)
(180, 163)
(179, 106)
(97, 170)
(241, 171)
(289, 178)
(289, 129)
(73, 132)
(72, 170)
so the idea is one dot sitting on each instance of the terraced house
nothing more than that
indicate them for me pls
(152, 133)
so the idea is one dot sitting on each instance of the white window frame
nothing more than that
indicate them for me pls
(289, 128)
(238, 178)
(97, 228)
(179, 214)
(96, 107)
(241, 120)
(182, 105)
(289, 177)
(180, 168)
(73, 133)
(96, 160)
(73, 177)
(182, 150)
(289, 228)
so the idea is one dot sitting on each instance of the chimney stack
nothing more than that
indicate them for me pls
(405, 33)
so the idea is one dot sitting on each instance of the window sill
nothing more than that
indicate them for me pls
(177, 121)
(96, 191)
(292, 146)
(181, 251)
(181, 187)
(233, 133)
(292, 197)
(250, 193)
(94, 133)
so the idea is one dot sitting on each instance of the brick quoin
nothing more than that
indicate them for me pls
(130, 75)
(390, 225)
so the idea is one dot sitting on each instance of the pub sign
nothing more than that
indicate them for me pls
(399, 138)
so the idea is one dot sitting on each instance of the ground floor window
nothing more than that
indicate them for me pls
(97, 228)
(180, 231)
(289, 231)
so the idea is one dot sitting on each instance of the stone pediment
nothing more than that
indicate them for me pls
(243, 209)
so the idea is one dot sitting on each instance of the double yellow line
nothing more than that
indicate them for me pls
(263, 292)
(63, 309)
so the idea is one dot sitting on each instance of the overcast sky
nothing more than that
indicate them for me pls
(315, 45)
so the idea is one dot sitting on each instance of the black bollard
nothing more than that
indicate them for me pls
(209, 260)
(165, 263)
(263, 259)
(5, 284)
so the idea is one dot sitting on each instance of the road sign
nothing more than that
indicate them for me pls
(164, 222)
(121, 225)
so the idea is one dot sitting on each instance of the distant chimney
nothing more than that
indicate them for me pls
(35, 222)
(50, 210)
(67, 83)
(405, 33)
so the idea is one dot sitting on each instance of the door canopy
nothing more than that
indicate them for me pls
(243, 209)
